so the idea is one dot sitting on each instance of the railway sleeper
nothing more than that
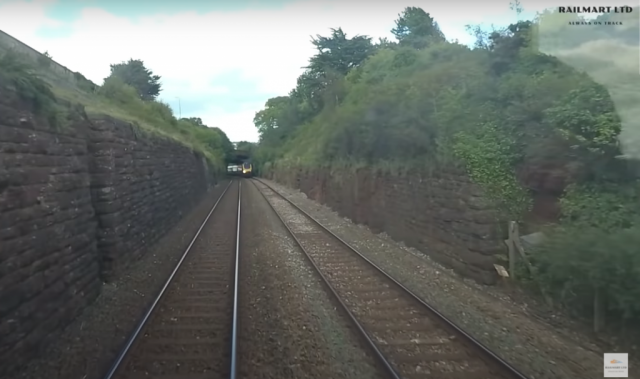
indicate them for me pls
(372, 297)
(347, 285)
(183, 334)
(180, 308)
(463, 358)
(369, 290)
(212, 292)
(414, 341)
(199, 286)
(215, 283)
(391, 325)
(444, 366)
(203, 318)
(428, 374)
(402, 315)
(214, 278)
(418, 350)
(180, 348)
(344, 273)
(171, 376)
(157, 366)
(197, 300)
(331, 262)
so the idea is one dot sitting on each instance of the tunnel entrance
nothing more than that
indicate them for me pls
(238, 162)
(238, 157)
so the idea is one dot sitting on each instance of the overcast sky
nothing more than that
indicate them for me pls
(222, 58)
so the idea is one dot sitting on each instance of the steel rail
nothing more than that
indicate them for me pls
(473, 341)
(127, 347)
(234, 333)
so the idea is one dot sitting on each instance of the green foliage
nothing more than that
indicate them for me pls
(197, 121)
(84, 84)
(213, 142)
(118, 91)
(41, 85)
(45, 60)
(502, 110)
(245, 146)
(586, 117)
(595, 250)
(15, 70)
(338, 53)
(575, 262)
(136, 75)
(606, 206)
(489, 156)
(416, 28)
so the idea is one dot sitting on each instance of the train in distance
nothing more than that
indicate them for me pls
(245, 170)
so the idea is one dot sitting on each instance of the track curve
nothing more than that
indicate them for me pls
(410, 338)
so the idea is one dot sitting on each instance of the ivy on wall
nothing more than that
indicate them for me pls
(488, 155)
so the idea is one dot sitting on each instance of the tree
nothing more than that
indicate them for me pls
(385, 43)
(270, 117)
(336, 56)
(245, 146)
(417, 28)
(226, 144)
(135, 74)
(507, 44)
(197, 121)
(516, 6)
(339, 53)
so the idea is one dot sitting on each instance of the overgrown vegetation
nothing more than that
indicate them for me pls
(18, 74)
(136, 75)
(515, 118)
(129, 94)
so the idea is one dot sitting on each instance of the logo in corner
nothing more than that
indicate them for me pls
(616, 365)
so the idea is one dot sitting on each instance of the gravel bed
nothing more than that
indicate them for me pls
(289, 326)
(538, 349)
(86, 348)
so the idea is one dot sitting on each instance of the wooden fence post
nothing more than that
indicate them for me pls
(517, 252)
(513, 256)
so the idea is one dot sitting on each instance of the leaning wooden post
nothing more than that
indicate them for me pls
(513, 256)
(515, 240)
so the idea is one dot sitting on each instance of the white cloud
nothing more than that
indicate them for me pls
(33, 18)
(189, 50)
(234, 124)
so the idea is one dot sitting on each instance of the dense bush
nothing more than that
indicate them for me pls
(497, 109)
(18, 73)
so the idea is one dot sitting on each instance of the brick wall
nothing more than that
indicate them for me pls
(140, 184)
(76, 203)
(440, 213)
(49, 264)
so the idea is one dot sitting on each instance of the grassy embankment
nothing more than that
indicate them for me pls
(49, 85)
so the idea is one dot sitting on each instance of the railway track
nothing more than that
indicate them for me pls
(409, 337)
(190, 330)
